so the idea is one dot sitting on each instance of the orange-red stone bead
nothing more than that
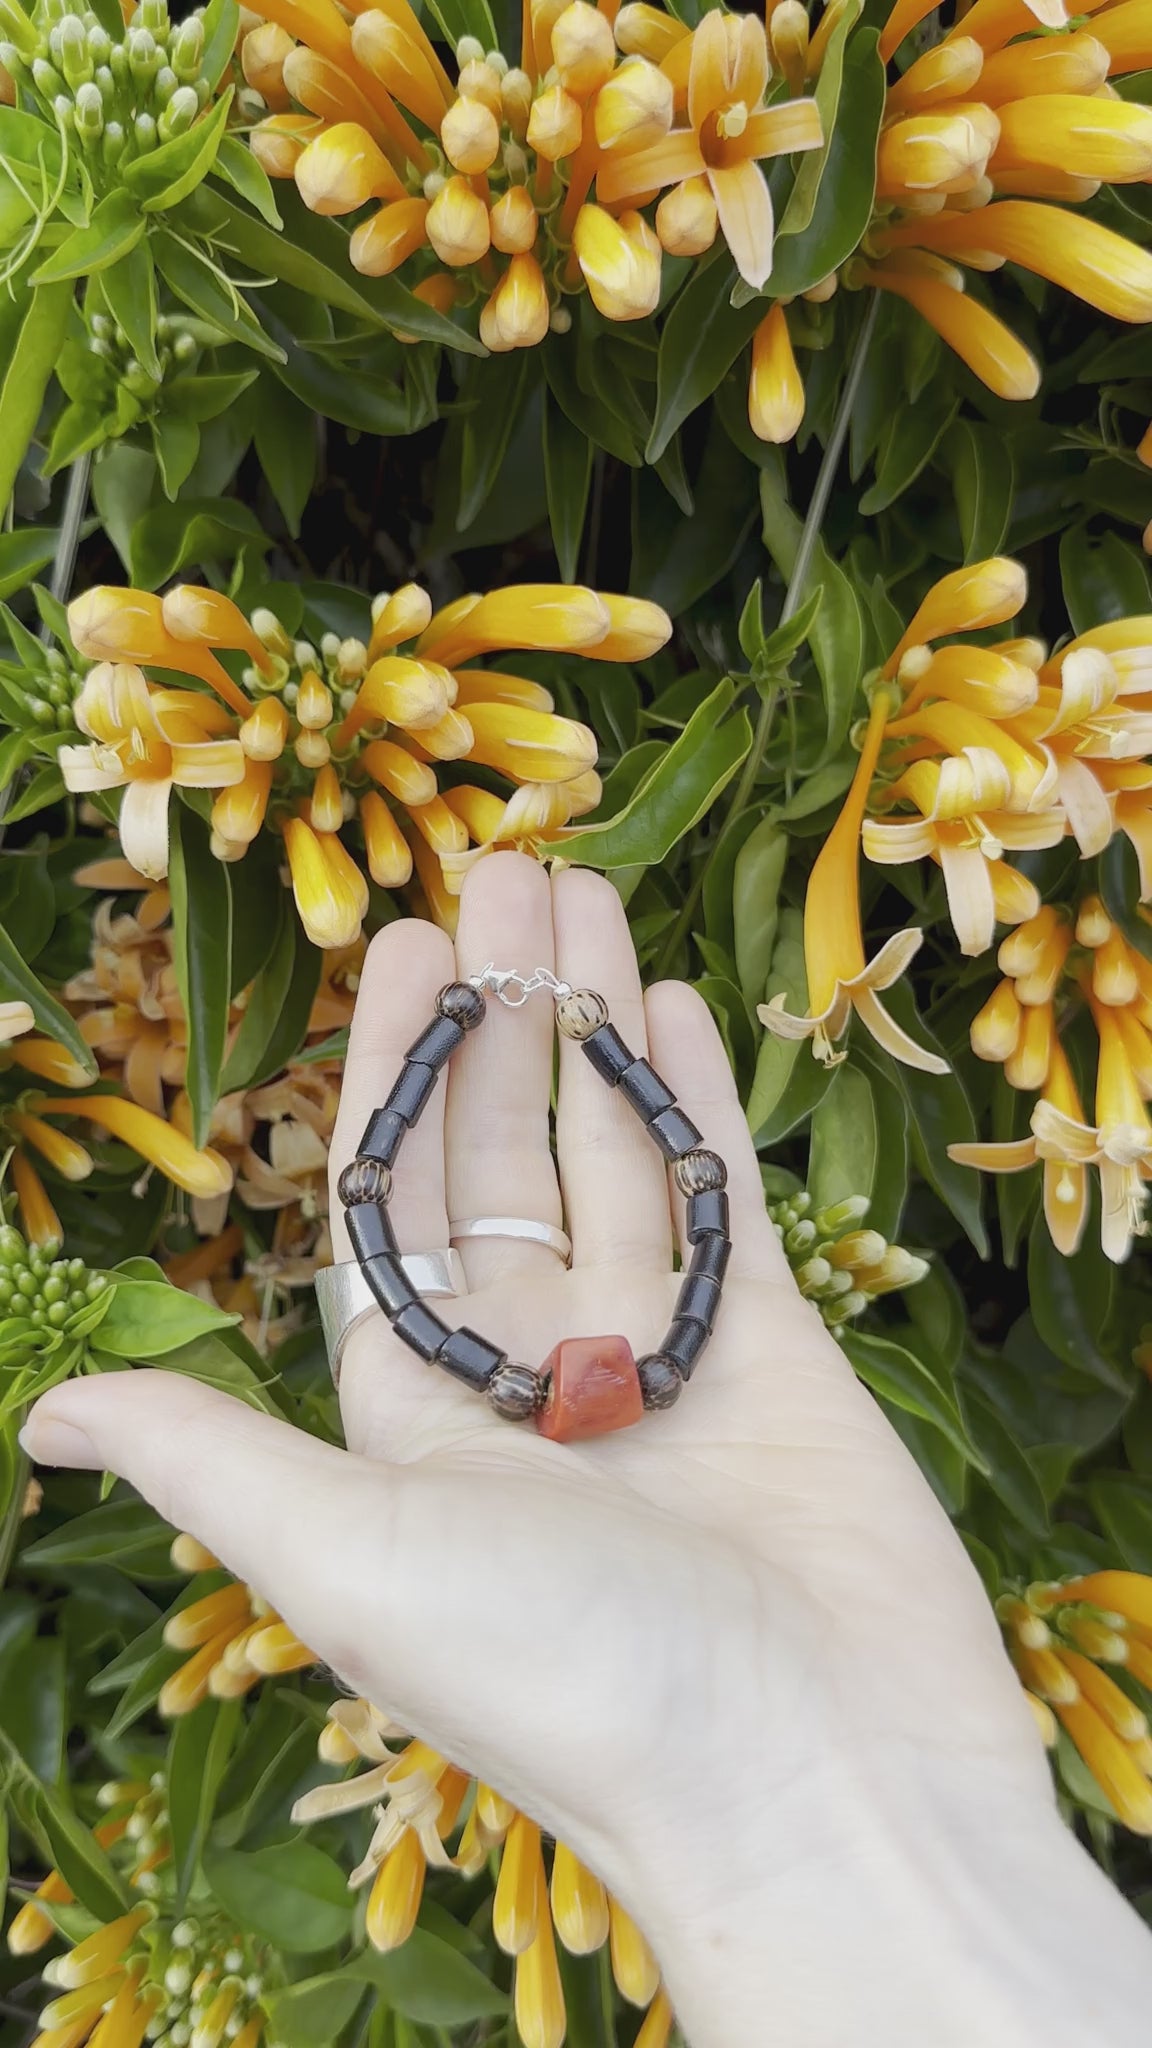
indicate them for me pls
(595, 1388)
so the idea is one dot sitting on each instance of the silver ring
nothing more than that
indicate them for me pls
(345, 1299)
(525, 1229)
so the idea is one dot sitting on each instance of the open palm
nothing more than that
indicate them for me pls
(720, 1654)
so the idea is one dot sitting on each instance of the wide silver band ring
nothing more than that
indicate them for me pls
(523, 1229)
(345, 1299)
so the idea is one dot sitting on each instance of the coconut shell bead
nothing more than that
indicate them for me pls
(516, 1391)
(660, 1383)
(462, 1003)
(699, 1171)
(580, 1014)
(364, 1180)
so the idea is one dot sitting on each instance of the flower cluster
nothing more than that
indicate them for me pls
(179, 1981)
(516, 185)
(118, 98)
(1055, 969)
(839, 1266)
(1060, 1633)
(234, 1637)
(347, 735)
(420, 1801)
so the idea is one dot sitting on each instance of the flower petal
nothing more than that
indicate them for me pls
(1012, 1157)
(1089, 810)
(892, 1038)
(144, 825)
(970, 900)
(745, 207)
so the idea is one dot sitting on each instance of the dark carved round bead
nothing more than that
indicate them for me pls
(660, 1383)
(515, 1391)
(581, 1013)
(463, 1003)
(699, 1171)
(364, 1180)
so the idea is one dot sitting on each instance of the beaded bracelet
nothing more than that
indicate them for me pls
(587, 1385)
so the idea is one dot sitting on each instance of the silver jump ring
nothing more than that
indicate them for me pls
(521, 1229)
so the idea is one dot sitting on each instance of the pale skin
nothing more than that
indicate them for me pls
(735, 1657)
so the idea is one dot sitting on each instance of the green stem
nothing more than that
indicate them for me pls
(14, 1515)
(793, 599)
(75, 506)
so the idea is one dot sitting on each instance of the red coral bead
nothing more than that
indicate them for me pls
(595, 1388)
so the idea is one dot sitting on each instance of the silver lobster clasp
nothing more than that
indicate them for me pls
(513, 989)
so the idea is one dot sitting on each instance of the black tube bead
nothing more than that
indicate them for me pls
(470, 1358)
(607, 1052)
(674, 1132)
(641, 1086)
(710, 1258)
(698, 1300)
(370, 1231)
(390, 1285)
(436, 1043)
(707, 1216)
(683, 1345)
(411, 1091)
(384, 1136)
(423, 1332)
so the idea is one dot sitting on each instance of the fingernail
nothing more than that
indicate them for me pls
(49, 1441)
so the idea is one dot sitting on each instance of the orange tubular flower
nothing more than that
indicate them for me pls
(840, 977)
(197, 1172)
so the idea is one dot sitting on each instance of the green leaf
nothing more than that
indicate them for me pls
(908, 446)
(939, 1115)
(568, 477)
(285, 436)
(149, 1318)
(19, 984)
(203, 398)
(314, 2011)
(23, 553)
(129, 288)
(276, 1015)
(701, 338)
(465, 18)
(27, 372)
(165, 537)
(902, 1378)
(125, 1533)
(430, 1982)
(847, 184)
(1102, 579)
(221, 27)
(238, 165)
(845, 1139)
(1071, 1300)
(197, 1758)
(69, 1845)
(837, 633)
(202, 944)
(1125, 1514)
(682, 786)
(756, 879)
(494, 396)
(165, 176)
(194, 280)
(116, 226)
(675, 560)
(1010, 1474)
(979, 459)
(812, 164)
(584, 410)
(291, 1894)
(177, 444)
(32, 1706)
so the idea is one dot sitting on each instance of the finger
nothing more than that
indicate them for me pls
(499, 1092)
(615, 1186)
(688, 1053)
(404, 968)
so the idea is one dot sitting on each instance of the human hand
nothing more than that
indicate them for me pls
(736, 1657)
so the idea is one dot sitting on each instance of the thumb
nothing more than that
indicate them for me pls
(279, 1508)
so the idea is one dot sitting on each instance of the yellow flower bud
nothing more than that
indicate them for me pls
(397, 59)
(516, 315)
(635, 108)
(397, 1889)
(262, 55)
(327, 811)
(516, 101)
(399, 772)
(313, 702)
(788, 36)
(636, 629)
(331, 893)
(342, 170)
(277, 143)
(470, 136)
(645, 31)
(399, 617)
(480, 80)
(775, 390)
(583, 48)
(380, 245)
(191, 613)
(238, 812)
(1077, 132)
(389, 854)
(620, 262)
(995, 1029)
(154, 1137)
(687, 218)
(312, 749)
(482, 811)
(634, 1966)
(402, 692)
(514, 221)
(928, 152)
(457, 224)
(264, 732)
(555, 124)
